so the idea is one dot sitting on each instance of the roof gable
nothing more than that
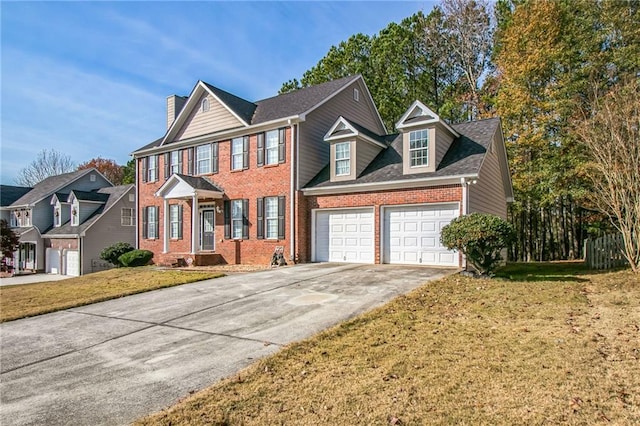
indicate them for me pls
(344, 128)
(418, 114)
(183, 186)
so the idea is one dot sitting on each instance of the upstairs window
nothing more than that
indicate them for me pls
(75, 215)
(271, 148)
(175, 162)
(126, 217)
(203, 159)
(237, 153)
(356, 95)
(150, 168)
(57, 219)
(419, 148)
(21, 218)
(343, 159)
(204, 105)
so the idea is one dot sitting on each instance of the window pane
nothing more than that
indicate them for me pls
(236, 209)
(237, 146)
(272, 139)
(419, 148)
(342, 167)
(203, 159)
(342, 151)
(151, 222)
(175, 160)
(237, 228)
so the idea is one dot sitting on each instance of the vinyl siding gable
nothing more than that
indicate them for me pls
(488, 194)
(200, 122)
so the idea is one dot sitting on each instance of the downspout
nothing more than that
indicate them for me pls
(137, 204)
(80, 255)
(464, 208)
(292, 231)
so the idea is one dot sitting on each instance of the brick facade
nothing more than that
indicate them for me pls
(252, 183)
(377, 199)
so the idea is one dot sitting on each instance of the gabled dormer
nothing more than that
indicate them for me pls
(61, 209)
(425, 139)
(84, 204)
(352, 148)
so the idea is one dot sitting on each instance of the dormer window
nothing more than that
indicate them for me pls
(343, 159)
(74, 216)
(419, 148)
(204, 106)
(56, 217)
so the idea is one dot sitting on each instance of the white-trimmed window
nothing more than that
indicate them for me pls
(174, 221)
(75, 215)
(271, 217)
(356, 95)
(237, 219)
(174, 161)
(127, 217)
(343, 158)
(204, 105)
(237, 153)
(150, 223)
(271, 147)
(20, 218)
(152, 168)
(203, 159)
(419, 148)
(57, 219)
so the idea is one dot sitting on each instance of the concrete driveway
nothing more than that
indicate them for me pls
(112, 362)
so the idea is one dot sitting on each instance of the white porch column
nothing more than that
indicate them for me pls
(167, 220)
(195, 226)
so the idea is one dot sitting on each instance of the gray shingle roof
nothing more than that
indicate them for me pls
(464, 156)
(49, 186)
(91, 196)
(111, 195)
(9, 194)
(243, 108)
(199, 182)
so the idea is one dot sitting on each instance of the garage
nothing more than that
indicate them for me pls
(72, 263)
(412, 234)
(53, 261)
(345, 235)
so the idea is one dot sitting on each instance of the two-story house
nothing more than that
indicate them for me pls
(65, 221)
(315, 173)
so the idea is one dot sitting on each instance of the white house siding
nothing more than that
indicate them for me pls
(314, 151)
(487, 195)
(201, 123)
(107, 231)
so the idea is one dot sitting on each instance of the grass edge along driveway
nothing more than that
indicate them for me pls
(554, 343)
(20, 301)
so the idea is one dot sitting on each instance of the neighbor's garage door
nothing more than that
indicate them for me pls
(72, 263)
(412, 234)
(344, 236)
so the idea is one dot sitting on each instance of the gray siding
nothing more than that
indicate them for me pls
(201, 123)
(107, 231)
(443, 142)
(42, 215)
(365, 153)
(314, 151)
(488, 195)
(86, 210)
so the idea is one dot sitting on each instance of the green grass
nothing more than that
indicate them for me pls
(557, 345)
(27, 300)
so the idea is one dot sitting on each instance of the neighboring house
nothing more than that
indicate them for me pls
(314, 173)
(49, 205)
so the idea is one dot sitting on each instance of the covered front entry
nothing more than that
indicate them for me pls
(26, 260)
(345, 235)
(412, 234)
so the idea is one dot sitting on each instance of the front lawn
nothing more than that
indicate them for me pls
(27, 300)
(564, 349)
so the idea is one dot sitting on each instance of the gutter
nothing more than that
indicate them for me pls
(396, 184)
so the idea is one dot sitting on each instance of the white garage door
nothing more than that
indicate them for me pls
(344, 236)
(412, 234)
(72, 262)
(53, 261)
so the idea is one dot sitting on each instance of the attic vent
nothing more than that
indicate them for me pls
(92, 178)
(205, 105)
(356, 95)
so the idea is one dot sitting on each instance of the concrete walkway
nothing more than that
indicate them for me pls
(32, 278)
(115, 361)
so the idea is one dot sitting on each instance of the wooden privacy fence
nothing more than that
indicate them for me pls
(604, 252)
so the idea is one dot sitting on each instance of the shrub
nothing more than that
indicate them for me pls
(112, 253)
(136, 258)
(480, 237)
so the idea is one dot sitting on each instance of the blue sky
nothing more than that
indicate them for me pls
(90, 79)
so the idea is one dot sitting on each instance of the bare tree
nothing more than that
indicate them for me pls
(611, 134)
(49, 162)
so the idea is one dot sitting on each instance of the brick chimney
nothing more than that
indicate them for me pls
(175, 104)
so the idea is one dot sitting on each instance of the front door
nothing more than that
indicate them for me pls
(207, 235)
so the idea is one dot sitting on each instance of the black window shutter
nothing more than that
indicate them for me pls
(144, 168)
(260, 149)
(167, 164)
(227, 219)
(180, 160)
(245, 219)
(214, 158)
(260, 222)
(157, 221)
(144, 223)
(281, 146)
(190, 161)
(281, 209)
(156, 176)
(245, 153)
(180, 221)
